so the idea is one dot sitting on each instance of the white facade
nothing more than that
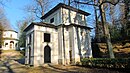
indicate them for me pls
(10, 41)
(61, 16)
(58, 40)
(57, 17)
(37, 41)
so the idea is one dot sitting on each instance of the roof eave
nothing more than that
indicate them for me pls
(64, 6)
(28, 27)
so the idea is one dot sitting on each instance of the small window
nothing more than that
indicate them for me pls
(52, 20)
(47, 37)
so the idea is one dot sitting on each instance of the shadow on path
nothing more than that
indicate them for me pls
(21, 61)
(62, 70)
(6, 64)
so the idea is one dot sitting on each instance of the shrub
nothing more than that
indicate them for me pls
(106, 62)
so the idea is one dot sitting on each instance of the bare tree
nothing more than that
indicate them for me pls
(3, 20)
(4, 24)
(97, 28)
(3, 2)
(103, 20)
(121, 21)
(38, 8)
(127, 18)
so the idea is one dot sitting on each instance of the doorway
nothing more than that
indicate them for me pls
(29, 55)
(70, 55)
(47, 54)
(11, 44)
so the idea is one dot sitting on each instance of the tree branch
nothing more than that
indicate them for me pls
(110, 2)
(88, 3)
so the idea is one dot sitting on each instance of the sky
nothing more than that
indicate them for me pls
(14, 10)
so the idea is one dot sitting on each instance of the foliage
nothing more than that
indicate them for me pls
(22, 39)
(106, 62)
(115, 33)
(22, 36)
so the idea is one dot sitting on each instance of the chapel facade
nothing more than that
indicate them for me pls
(62, 38)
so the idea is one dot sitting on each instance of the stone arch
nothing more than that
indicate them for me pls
(47, 54)
(11, 44)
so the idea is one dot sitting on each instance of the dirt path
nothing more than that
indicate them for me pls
(69, 69)
(11, 66)
(11, 62)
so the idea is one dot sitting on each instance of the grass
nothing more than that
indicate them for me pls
(11, 54)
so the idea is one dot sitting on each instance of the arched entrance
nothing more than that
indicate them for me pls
(47, 54)
(11, 44)
(29, 51)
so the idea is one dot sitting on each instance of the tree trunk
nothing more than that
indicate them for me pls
(127, 18)
(106, 31)
(97, 36)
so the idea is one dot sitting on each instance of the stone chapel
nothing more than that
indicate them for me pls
(61, 38)
(10, 40)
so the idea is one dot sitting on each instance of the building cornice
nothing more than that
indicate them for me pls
(54, 26)
(10, 39)
(11, 30)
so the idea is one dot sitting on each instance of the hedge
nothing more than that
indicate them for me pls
(106, 62)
